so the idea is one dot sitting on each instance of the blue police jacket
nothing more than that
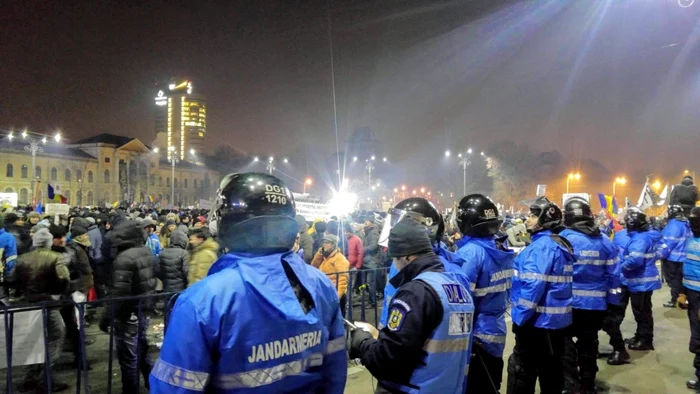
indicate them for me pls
(542, 292)
(8, 252)
(452, 262)
(448, 349)
(621, 239)
(490, 273)
(691, 264)
(638, 262)
(596, 275)
(674, 235)
(241, 330)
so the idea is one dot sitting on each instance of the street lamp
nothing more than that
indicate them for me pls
(619, 180)
(574, 176)
(656, 185)
(34, 142)
(307, 182)
(173, 160)
(270, 166)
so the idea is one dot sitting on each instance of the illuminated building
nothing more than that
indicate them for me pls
(181, 119)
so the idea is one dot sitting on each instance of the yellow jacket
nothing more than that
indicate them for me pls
(203, 256)
(335, 263)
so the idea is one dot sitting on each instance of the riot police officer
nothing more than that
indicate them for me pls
(425, 213)
(640, 277)
(691, 281)
(595, 286)
(671, 251)
(541, 297)
(424, 346)
(262, 320)
(489, 267)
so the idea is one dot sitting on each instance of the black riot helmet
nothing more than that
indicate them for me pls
(675, 211)
(477, 216)
(255, 213)
(422, 211)
(577, 210)
(548, 214)
(636, 220)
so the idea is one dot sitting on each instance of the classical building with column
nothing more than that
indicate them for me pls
(102, 170)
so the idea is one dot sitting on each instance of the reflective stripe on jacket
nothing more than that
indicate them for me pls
(691, 264)
(674, 235)
(639, 272)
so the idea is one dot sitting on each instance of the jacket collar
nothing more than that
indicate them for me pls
(427, 262)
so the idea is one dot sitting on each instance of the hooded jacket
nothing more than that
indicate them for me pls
(133, 268)
(542, 286)
(685, 195)
(41, 274)
(76, 259)
(202, 258)
(336, 266)
(674, 237)
(109, 246)
(174, 263)
(370, 245)
(490, 273)
(356, 251)
(596, 270)
(638, 262)
(306, 242)
(95, 249)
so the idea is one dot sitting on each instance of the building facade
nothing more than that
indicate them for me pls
(180, 120)
(101, 170)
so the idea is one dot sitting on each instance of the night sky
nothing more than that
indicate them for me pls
(613, 80)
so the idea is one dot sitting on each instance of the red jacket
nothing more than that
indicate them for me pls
(355, 251)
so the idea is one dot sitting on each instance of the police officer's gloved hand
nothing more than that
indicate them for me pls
(357, 336)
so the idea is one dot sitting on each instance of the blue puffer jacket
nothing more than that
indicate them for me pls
(542, 285)
(490, 273)
(596, 278)
(674, 236)
(621, 239)
(638, 262)
(241, 330)
(8, 253)
(452, 262)
(691, 264)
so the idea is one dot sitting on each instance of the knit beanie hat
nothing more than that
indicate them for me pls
(42, 238)
(408, 237)
(77, 231)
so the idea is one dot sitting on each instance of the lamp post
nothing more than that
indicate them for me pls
(34, 146)
(464, 161)
(173, 160)
(621, 180)
(307, 182)
(370, 168)
(571, 176)
(270, 166)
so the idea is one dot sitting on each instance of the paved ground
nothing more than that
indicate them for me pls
(663, 371)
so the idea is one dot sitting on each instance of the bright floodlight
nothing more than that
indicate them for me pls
(255, 158)
(309, 181)
(342, 203)
(354, 158)
(469, 150)
(482, 154)
(384, 159)
(192, 151)
(24, 134)
(286, 161)
(155, 150)
(372, 157)
(10, 136)
(447, 153)
(272, 159)
(459, 155)
(43, 140)
(57, 137)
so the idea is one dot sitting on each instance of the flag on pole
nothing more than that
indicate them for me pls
(39, 208)
(663, 196)
(55, 193)
(608, 203)
(648, 198)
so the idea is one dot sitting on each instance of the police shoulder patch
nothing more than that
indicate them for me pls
(397, 315)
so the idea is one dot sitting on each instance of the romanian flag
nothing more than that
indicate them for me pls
(55, 194)
(150, 198)
(608, 203)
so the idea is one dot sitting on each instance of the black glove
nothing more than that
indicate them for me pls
(357, 336)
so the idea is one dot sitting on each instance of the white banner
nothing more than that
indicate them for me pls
(57, 209)
(9, 199)
(27, 339)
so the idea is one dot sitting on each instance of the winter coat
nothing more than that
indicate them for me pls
(78, 264)
(95, 249)
(675, 235)
(685, 195)
(638, 262)
(174, 264)
(22, 238)
(183, 228)
(40, 274)
(109, 248)
(356, 251)
(370, 245)
(334, 263)
(203, 256)
(133, 269)
(306, 243)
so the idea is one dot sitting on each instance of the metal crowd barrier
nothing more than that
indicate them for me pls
(357, 304)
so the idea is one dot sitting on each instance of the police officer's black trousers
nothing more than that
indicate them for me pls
(694, 318)
(485, 372)
(641, 307)
(537, 353)
(580, 358)
(673, 274)
(613, 320)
